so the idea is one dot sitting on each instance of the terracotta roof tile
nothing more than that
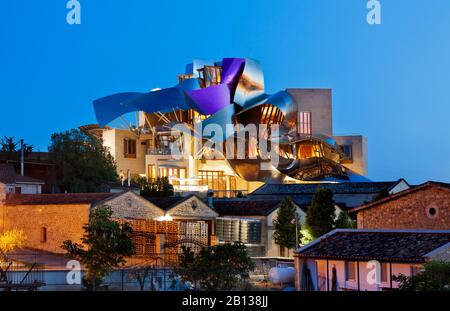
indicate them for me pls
(382, 245)
(57, 198)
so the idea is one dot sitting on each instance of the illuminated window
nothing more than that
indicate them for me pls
(43, 234)
(129, 148)
(210, 75)
(350, 271)
(213, 179)
(151, 173)
(174, 174)
(304, 122)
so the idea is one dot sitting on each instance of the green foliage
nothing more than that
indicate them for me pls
(82, 163)
(321, 213)
(344, 221)
(160, 187)
(220, 267)
(105, 244)
(306, 237)
(11, 148)
(9, 145)
(435, 276)
(284, 234)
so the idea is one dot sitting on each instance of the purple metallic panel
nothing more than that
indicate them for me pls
(211, 99)
(231, 70)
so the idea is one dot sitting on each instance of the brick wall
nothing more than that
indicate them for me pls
(411, 211)
(63, 222)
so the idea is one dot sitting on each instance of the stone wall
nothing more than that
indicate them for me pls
(62, 222)
(411, 211)
(132, 206)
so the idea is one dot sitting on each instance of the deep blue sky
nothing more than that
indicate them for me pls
(390, 83)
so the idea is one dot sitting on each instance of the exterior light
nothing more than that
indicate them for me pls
(165, 218)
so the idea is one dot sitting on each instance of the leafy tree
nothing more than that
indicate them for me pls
(81, 161)
(284, 234)
(220, 267)
(435, 276)
(344, 221)
(105, 244)
(160, 187)
(321, 213)
(11, 240)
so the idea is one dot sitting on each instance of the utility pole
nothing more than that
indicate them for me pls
(22, 158)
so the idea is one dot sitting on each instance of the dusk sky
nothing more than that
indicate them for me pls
(390, 82)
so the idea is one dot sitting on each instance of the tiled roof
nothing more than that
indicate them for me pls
(9, 176)
(56, 198)
(382, 245)
(245, 207)
(344, 187)
(166, 202)
(402, 193)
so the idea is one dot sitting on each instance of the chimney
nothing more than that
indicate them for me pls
(22, 158)
(210, 198)
(129, 177)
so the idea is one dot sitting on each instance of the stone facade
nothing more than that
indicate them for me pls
(46, 226)
(425, 208)
(129, 205)
(192, 207)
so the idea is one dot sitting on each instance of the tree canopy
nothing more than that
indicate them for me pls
(82, 163)
(321, 213)
(105, 244)
(284, 234)
(219, 267)
(435, 276)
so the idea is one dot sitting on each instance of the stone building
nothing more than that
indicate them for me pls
(48, 219)
(426, 206)
(366, 260)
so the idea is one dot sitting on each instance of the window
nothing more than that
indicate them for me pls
(43, 234)
(151, 172)
(17, 190)
(384, 272)
(174, 174)
(304, 122)
(350, 271)
(432, 211)
(348, 151)
(129, 148)
(213, 179)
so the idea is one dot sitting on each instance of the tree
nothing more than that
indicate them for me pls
(81, 161)
(343, 221)
(284, 234)
(321, 213)
(160, 187)
(435, 276)
(9, 145)
(105, 244)
(11, 240)
(220, 267)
